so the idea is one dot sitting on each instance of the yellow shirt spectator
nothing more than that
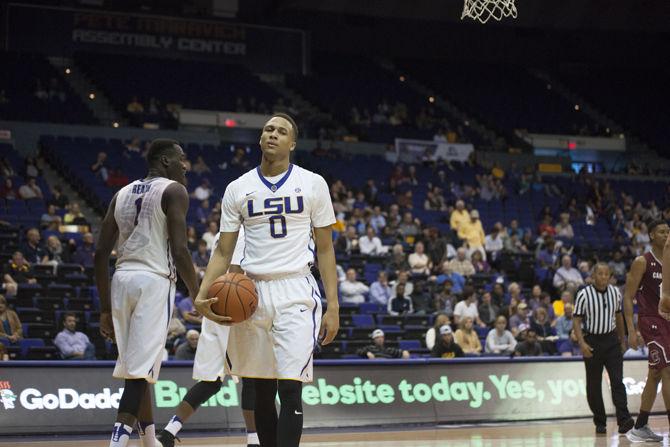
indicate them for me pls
(459, 216)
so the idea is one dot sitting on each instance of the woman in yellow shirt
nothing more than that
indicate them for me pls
(466, 337)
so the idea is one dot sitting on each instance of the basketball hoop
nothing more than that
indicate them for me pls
(483, 10)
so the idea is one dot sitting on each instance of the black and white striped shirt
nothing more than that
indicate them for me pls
(598, 309)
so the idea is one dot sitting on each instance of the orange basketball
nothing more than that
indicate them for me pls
(237, 296)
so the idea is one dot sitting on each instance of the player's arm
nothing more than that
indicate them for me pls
(218, 265)
(330, 323)
(175, 204)
(633, 279)
(664, 304)
(109, 232)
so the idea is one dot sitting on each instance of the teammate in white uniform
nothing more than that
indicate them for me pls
(280, 205)
(148, 219)
(208, 371)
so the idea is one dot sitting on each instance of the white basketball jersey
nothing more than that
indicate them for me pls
(278, 215)
(143, 234)
(238, 254)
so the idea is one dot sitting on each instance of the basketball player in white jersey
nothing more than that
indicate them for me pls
(148, 220)
(279, 204)
(208, 371)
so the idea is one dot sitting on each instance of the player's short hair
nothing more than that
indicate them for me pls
(655, 223)
(290, 120)
(160, 147)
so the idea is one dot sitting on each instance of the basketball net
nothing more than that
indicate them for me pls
(483, 10)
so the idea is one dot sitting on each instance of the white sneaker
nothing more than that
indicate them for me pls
(643, 434)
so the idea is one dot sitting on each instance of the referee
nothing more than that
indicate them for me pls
(599, 329)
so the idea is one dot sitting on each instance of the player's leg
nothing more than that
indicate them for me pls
(290, 415)
(196, 396)
(145, 420)
(129, 405)
(265, 412)
(648, 397)
(665, 389)
(248, 406)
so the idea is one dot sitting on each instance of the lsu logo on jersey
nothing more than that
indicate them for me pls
(276, 208)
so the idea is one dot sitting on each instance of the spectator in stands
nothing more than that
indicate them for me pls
(432, 334)
(380, 291)
(72, 344)
(11, 330)
(203, 191)
(547, 257)
(58, 199)
(136, 110)
(404, 279)
(445, 300)
(409, 227)
(466, 337)
(239, 159)
(480, 265)
(529, 347)
(472, 232)
(461, 265)
(446, 347)
(378, 350)
(4, 356)
(564, 228)
(370, 244)
(55, 254)
(6, 168)
(514, 292)
(541, 325)
(202, 212)
(188, 312)
(459, 216)
(200, 167)
(499, 340)
(30, 169)
(85, 251)
(513, 229)
(200, 258)
(535, 299)
(74, 216)
(352, 290)
(8, 191)
(567, 277)
(378, 221)
(488, 311)
(519, 318)
(30, 190)
(49, 217)
(559, 305)
(210, 235)
(400, 304)
(498, 293)
(493, 242)
(175, 329)
(32, 249)
(398, 261)
(186, 351)
(457, 280)
(348, 242)
(618, 266)
(546, 228)
(563, 327)
(467, 307)
(99, 168)
(192, 238)
(419, 262)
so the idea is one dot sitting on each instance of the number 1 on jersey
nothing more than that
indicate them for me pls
(138, 205)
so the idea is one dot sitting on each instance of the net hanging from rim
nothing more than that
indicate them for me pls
(483, 10)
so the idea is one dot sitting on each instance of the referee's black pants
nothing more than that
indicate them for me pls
(607, 353)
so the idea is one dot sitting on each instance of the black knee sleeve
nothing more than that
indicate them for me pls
(290, 395)
(248, 394)
(133, 393)
(201, 392)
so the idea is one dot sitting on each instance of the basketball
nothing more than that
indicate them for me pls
(237, 296)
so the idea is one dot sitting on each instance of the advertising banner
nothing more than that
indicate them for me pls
(575, 142)
(84, 398)
(61, 32)
(416, 151)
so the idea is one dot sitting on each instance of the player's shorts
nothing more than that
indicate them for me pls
(211, 352)
(656, 333)
(142, 304)
(278, 341)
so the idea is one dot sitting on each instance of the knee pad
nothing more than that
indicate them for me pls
(248, 394)
(133, 393)
(201, 392)
(290, 394)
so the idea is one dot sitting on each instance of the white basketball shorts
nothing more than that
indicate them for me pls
(142, 304)
(278, 341)
(211, 352)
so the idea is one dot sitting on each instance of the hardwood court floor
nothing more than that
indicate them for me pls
(574, 433)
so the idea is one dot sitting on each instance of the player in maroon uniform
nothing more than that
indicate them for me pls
(644, 283)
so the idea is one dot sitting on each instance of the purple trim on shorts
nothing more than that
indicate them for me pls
(316, 304)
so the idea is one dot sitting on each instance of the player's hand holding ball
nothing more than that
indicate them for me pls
(232, 296)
